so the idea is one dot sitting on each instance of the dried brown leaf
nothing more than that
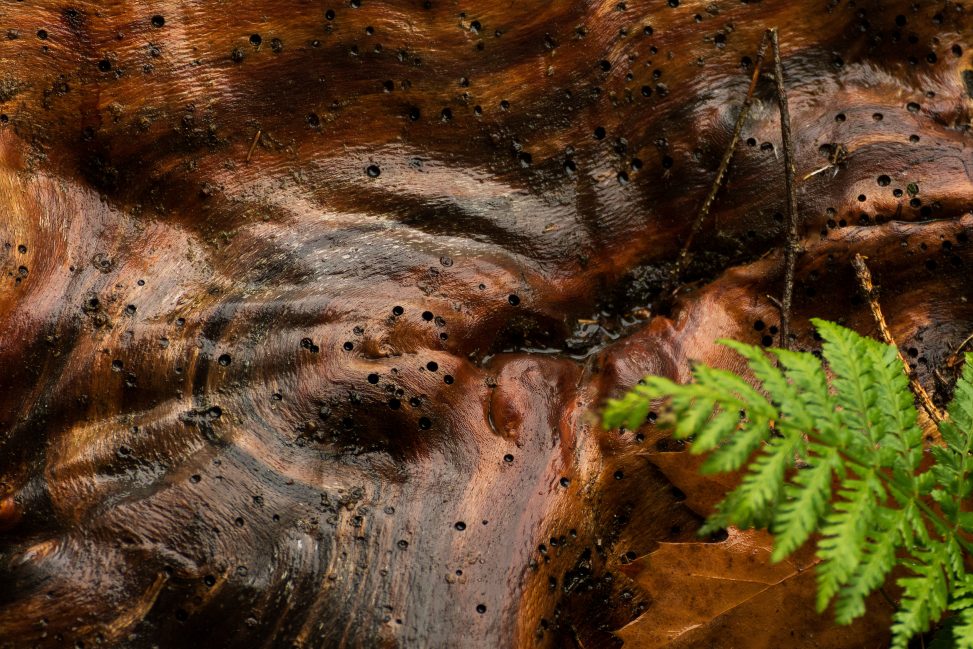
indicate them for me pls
(729, 595)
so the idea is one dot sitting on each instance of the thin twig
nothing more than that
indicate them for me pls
(868, 289)
(953, 358)
(837, 158)
(256, 138)
(774, 301)
(793, 246)
(683, 257)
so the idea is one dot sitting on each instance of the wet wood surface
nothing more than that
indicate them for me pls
(306, 308)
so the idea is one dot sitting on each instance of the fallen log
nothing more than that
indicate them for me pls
(306, 309)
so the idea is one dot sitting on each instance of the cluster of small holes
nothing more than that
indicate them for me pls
(767, 339)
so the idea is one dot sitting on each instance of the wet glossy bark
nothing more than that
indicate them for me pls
(295, 303)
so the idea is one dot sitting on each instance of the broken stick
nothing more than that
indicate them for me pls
(864, 276)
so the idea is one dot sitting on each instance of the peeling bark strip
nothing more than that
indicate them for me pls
(309, 390)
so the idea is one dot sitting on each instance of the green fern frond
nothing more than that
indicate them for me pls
(634, 406)
(962, 606)
(961, 407)
(707, 435)
(914, 530)
(763, 485)
(773, 381)
(722, 382)
(839, 459)
(924, 597)
(896, 406)
(807, 498)
(732, 455)
(848, 357)
(963, 631)
(953, 558)
(807, 375)
(873, 569)
(955, 463)
(952, 434)
(843, 534)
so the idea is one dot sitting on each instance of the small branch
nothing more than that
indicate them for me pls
(253, 145)
(704, 209)
(793, 246)
(868, 289)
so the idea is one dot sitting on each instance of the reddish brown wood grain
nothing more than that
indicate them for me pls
(218, 421)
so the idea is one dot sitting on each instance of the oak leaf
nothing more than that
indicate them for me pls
(729, 595)
(702, 491)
